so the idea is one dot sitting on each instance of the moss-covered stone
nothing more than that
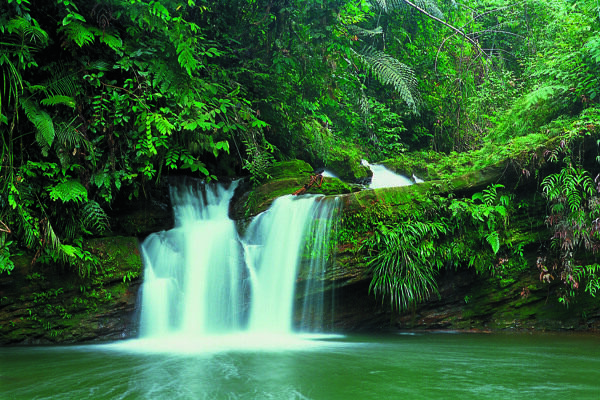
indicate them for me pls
(289, 169)
(286, 178)
(52, 304)
(347, 165)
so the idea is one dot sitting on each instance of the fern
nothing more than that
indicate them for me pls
(59, 99)
(114, 42)
(78, 33)
(43, 124)
(94, 218)
(430, 6)
(357, 30)
(494, 240)
(390, 71)
(69, 191)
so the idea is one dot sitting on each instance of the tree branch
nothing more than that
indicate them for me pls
(456, 30)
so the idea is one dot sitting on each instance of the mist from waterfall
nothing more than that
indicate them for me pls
(202, 278)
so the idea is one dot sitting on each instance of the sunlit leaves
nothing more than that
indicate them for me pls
(69, 191)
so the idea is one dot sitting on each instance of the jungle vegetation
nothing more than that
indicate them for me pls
(101, 100)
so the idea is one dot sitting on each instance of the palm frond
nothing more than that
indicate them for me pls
(12, 85)
(62, 82)
(28, 29)
(68, 135)
(402, 264)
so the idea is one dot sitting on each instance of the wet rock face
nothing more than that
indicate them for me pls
(44, 304)
(469, 302)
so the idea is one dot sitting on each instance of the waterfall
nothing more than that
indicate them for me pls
(383, 177)
(203, 278)
(192, 281)
(275, 243)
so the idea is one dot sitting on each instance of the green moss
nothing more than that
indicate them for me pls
(346, 163)
(289, 169)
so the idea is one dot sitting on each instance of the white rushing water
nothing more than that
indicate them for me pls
(383, 177)
(202, 279)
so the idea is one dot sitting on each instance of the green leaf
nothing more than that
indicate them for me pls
(59, 99)
(78, 33)
(69, 191)
(494, 240)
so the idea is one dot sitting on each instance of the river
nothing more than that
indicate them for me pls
(402, 366)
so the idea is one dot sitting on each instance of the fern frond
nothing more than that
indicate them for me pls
(68, 135)
(62, 83)
(362, 32)
(42, 122)
(430, 6)
(94, 218)
(541, 94)
(59, 99)
(69, 191)
(112, 41)
(390, 71)
(78, 33)
(31, 234)
(494, 240)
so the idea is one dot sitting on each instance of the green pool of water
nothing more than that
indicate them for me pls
(419, 366)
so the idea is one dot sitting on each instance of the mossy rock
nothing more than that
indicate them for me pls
(286, 178)
(423, 165)
(289, 169)
(347, 165)
(46, 303)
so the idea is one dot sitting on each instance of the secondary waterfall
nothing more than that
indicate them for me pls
(203, 278)
(383, 177)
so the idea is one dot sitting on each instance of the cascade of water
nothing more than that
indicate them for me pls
(324, 223)
(275, 242)
(202, 279)
(383, 177)
(192, 279)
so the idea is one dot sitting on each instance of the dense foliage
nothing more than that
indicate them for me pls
(101, 100)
